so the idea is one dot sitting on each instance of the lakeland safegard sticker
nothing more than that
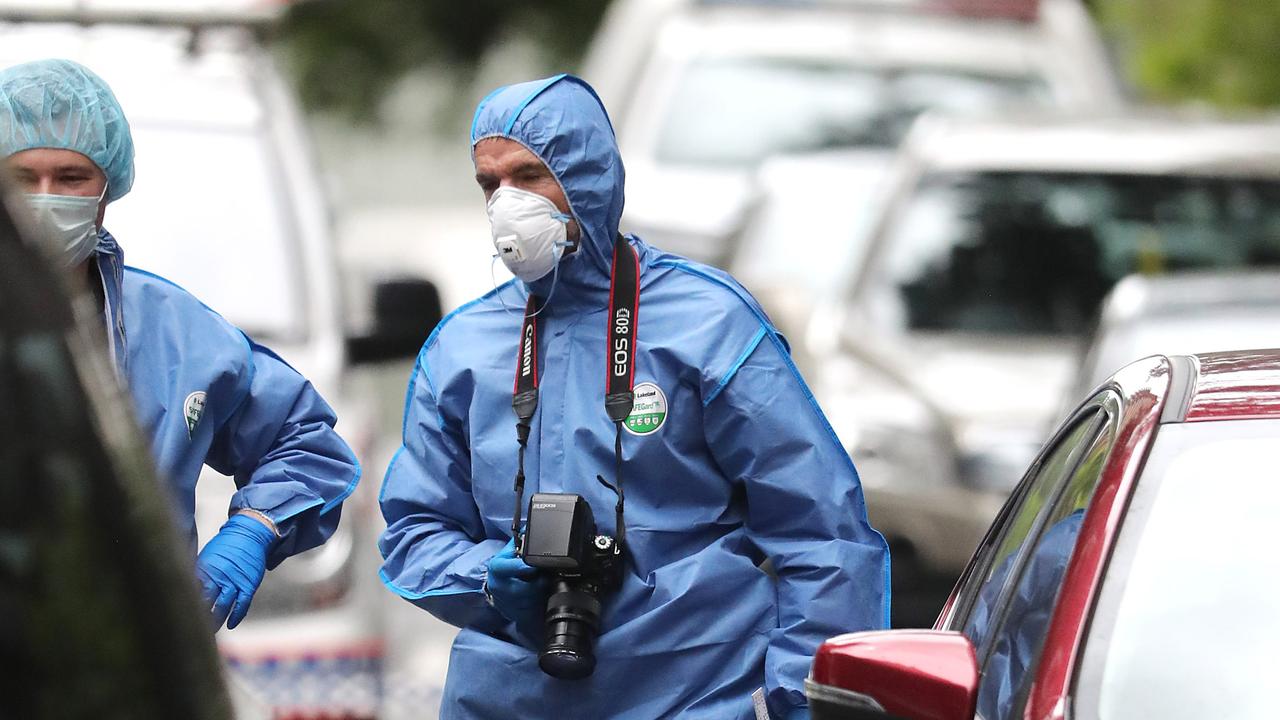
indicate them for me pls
(649, 412)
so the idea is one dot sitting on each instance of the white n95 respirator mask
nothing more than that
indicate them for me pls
(529, 232)
(68, 222)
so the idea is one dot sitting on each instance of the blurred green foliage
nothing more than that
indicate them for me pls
(1224, 52)
(345, 54)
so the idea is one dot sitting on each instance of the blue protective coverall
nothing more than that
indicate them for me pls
(741, 467)
(204, 393)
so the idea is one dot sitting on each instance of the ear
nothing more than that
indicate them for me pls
(573, 232)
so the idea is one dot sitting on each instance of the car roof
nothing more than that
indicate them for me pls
(1139, 143)
(1238, 385)
(869, 37)
(186, 12)
(987, 10)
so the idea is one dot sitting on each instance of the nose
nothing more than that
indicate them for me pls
(39, 184)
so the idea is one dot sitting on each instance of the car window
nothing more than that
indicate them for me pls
(1185, 625)
(983, 583)
(1022, 619)
(1014, 534)
(736, 111)
(1035, 253)
(101, 618)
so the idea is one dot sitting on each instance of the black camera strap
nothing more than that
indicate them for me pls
(524, 397)
(620, 352)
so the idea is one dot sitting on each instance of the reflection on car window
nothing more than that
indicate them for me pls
(1023, 618)
(1030, 505)
(52, 550)
(1037, 252)
(737, 111)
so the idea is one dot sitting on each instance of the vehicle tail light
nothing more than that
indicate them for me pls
(1019, 10)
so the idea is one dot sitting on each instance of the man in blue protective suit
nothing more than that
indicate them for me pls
(727, 458)
(204, 393)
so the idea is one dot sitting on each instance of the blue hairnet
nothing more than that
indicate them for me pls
(64, 105)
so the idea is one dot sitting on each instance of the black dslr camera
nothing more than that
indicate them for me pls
(561, 539)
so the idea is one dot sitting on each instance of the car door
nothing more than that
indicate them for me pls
(1006, 597)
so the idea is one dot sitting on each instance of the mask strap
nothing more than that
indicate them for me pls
(555, 281)
(494, 279)
(566, 243)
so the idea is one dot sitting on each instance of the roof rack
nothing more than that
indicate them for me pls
(257, 19)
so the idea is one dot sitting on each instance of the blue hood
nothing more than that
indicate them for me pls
(562, 121)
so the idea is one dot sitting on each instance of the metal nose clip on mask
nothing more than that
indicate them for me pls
(529, 232)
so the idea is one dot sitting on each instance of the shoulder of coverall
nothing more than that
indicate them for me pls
(699, 313)
(706, 303)
(159, 310)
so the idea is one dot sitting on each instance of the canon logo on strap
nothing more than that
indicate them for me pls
(526, 363)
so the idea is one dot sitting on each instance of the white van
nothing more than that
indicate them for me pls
(228, 204)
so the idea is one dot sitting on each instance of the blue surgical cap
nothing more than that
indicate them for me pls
(63, 105)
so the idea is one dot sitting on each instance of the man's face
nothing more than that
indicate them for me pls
(47, 171)
(501, 162)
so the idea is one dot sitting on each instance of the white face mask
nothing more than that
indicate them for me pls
(69, 222)
(529, 232)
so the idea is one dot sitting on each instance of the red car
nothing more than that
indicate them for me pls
(1132, 573)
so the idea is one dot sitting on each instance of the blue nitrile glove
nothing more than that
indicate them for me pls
(231, 566)
(517, 591)
(800, 713)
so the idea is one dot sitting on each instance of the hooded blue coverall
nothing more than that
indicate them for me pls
(743, 467)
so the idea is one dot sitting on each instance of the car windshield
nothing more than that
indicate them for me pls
(1034, 253)
(1186, 624)
(209, 211)
(737, 111)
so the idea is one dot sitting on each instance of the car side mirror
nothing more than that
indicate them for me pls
(910, 674)
(405, 311)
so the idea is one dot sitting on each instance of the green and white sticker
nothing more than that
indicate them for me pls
(649, 412)
(193, 410)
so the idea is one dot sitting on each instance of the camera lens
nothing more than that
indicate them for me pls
(573, 619)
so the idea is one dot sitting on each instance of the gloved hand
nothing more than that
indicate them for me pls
(517, 590)
(231, 566)
(800, 713)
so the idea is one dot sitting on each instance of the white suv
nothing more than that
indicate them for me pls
(701, 91)
(228, 205)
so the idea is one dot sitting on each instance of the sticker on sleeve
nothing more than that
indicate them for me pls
(649, 412)
(193, 410)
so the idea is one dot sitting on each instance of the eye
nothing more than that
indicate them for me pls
(533, 175)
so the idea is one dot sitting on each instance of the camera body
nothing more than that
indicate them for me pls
(561, 539)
